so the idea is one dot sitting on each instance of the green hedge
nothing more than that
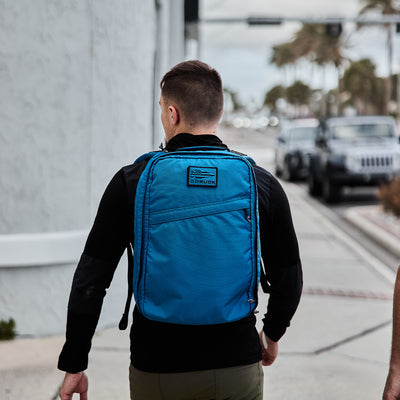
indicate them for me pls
(7, 329)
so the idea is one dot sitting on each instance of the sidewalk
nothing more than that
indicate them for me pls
(381, 226)
(337, 347)
(28, 367)
(339, 342)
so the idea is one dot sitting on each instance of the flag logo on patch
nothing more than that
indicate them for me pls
(202, 176)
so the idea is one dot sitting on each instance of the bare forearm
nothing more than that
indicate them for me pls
(392, 387)
(74, 383)
(395, 356)
(269, 349)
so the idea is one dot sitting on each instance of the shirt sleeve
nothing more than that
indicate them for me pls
(280, 254)
(104, 247)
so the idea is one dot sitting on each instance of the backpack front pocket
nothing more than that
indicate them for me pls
(210, 276)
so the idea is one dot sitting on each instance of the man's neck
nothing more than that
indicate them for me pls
(201, 130)
(188, 140)
(212, 130)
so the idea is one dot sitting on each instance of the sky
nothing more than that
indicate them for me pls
(241, 53)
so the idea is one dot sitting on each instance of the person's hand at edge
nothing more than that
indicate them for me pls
(392, 387)
(269, 349)
(74, 383)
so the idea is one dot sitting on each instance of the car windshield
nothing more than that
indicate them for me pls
(302, 134)
(349, 132)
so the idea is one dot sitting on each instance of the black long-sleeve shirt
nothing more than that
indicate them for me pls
(161, 347)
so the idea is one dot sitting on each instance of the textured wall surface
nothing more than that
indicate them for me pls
(77, 92)
(76, 84)
(123, 67)
(37, 298)
(45, 78)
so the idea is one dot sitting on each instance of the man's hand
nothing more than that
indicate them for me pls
(74, 383)
(392, 387)
(269, 350)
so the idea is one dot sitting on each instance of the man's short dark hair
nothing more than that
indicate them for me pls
(196, 88)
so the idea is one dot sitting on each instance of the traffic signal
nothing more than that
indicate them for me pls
(264, 20)
(333, 29)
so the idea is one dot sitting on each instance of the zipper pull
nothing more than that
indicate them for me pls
(247, 215)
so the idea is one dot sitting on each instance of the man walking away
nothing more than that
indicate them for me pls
(173, 361)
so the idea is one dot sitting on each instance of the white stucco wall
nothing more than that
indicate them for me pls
(45, 117)
(77, 86)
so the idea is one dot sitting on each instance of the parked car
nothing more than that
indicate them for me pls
(353, 151)
(294, 146)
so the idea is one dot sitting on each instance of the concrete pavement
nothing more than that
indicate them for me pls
(339, 343)
(337, 347)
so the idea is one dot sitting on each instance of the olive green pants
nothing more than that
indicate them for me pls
(237, 383)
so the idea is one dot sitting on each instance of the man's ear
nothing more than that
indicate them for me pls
(174, 115)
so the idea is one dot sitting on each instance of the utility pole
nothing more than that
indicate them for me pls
(192, 37)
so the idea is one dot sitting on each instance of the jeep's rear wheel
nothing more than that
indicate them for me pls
(287, 173)
(314, 186)
(331, 190)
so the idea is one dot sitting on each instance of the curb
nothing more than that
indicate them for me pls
(369, 220)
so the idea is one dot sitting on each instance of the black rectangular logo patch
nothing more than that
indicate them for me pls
(202, 176)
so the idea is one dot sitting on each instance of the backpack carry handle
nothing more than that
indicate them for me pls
(203, 148)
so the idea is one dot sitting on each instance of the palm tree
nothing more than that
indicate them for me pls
(320, 49)
(385, 7)
(298, 94)
(365, 89)
(306, 40)
(272, 97)
(312, 43)
(236, 104)
(283, 56)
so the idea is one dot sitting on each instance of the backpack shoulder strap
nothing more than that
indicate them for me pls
(123, 324)
(147, 156)
(248, 158)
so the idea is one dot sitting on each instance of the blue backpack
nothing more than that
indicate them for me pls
(196, 248)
